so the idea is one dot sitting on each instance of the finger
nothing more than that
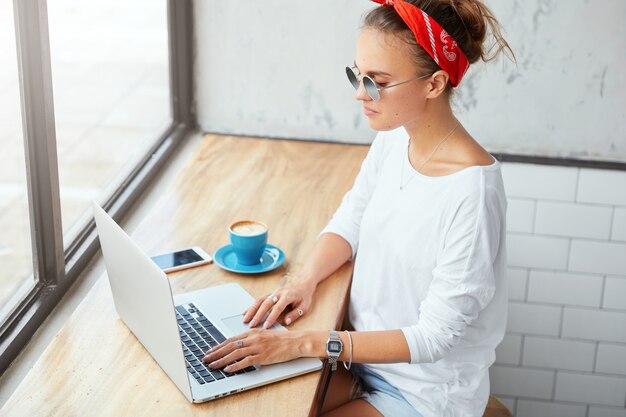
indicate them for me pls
(218, 352)
(294, 315)
(234, 356)
(244, 363)
(276, 311)
(265, 307)
(249, 313)
(228, 342)
(227, 348)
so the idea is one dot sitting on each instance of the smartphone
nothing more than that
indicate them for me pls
(182, 259)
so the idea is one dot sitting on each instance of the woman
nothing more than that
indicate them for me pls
(427, 213)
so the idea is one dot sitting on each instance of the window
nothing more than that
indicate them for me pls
(111, 95)
(93, 103)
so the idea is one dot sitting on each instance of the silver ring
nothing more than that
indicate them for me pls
(239, 344)
(273, 298)
(300, 312)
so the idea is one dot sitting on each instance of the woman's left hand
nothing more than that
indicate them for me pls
(257, 347)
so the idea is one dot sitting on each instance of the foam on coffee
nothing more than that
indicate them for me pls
(248, 228)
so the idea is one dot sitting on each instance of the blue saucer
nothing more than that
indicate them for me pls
(272, 258)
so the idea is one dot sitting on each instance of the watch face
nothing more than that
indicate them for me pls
(334, 347)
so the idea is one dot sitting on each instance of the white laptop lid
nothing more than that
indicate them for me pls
(143, 298)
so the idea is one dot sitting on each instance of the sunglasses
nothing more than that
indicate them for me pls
(371, 87)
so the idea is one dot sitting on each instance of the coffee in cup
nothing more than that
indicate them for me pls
(249, 239)
(248, 228)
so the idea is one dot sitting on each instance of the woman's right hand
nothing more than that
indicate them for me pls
(294, 300)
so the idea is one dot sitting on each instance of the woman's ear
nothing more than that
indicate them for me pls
(437, 84)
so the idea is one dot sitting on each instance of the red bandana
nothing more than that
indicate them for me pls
(433, 38)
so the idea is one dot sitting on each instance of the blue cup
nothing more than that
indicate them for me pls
(249, 239)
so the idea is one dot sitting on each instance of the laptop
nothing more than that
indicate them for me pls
(177, 330)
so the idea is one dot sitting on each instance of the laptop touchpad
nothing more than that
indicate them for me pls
(237, 326)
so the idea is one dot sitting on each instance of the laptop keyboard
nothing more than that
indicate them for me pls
(198, 335)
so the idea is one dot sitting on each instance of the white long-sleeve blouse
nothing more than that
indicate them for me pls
(430, 260)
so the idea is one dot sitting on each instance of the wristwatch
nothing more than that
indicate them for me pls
(334, 347)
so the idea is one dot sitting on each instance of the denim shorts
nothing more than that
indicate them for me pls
(379, 393)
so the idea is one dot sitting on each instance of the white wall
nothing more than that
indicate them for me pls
(565, 348)
(276, 68)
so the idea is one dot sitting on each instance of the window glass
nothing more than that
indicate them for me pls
(111, 95)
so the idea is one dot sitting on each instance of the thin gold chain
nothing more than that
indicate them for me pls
(428, 159)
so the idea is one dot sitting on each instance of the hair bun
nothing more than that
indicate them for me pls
(478, 20)
(472, 17)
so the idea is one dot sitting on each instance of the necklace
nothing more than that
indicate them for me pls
(428, 159)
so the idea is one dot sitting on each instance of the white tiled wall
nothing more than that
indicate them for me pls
(564, 353)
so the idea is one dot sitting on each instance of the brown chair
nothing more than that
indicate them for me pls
(496, 409)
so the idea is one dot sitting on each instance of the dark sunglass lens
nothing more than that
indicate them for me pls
(370, 87)
(352, 77)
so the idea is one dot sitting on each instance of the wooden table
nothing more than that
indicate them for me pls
(96, 367)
